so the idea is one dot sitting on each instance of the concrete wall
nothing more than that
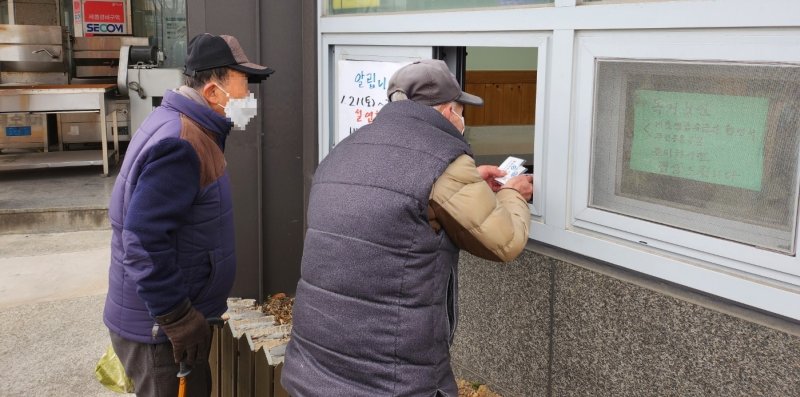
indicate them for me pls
(272, 162)
(555, 324)
(243, 152)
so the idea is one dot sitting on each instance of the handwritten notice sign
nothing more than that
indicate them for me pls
(703, 137)
(362, 92)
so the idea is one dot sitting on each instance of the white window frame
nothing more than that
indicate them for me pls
(722, 45)
(761, 287)
(413, 41)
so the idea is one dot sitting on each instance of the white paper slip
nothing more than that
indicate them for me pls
(513, 167)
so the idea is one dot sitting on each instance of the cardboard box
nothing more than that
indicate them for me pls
(23, 130)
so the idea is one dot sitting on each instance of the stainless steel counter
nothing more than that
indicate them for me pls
(64, 99)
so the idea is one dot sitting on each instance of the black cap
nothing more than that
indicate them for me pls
(207, 51)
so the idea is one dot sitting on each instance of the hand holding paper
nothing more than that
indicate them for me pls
(512, 167)
(489, 173)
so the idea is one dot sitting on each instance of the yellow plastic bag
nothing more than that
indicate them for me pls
(111, 374)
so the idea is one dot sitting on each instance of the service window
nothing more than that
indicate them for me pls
(505, 77)
(508, 71)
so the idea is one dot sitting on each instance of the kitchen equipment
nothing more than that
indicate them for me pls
(144, 82)
(32, 54)
(96, 59)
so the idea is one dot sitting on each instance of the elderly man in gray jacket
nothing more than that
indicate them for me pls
(391, 206)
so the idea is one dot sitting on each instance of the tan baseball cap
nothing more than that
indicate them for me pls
(429, 82)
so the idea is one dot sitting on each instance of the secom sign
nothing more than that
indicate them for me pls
(105, 28)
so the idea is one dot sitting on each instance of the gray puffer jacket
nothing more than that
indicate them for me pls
(375, 309)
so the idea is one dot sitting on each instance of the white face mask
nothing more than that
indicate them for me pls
(463, 124)
(240, 110)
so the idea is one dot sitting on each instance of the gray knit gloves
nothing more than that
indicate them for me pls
(188, 331)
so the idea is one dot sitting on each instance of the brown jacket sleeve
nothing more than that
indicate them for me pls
(491, 226)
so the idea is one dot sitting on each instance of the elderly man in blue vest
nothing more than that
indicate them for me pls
(391, 206)
(172, 247)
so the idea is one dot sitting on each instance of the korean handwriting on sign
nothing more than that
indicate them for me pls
(349, 100)
(362, 106)
(672, 108)
(361, 115)
(361, 93)
(369, 80)
(704, 137)
(366, 106)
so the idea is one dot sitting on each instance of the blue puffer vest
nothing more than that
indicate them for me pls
(172, 220)
(375, 309)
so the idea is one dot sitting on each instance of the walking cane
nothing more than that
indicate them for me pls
(185, 368)
(182, 374)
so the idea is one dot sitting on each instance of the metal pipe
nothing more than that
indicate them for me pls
(11, 17)
(61, 13)
(68, 45)
(163, 22)
(158, 23)
(259, 162)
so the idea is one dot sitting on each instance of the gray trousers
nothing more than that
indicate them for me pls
(153, 369)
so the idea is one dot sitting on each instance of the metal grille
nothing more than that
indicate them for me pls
(709, 147)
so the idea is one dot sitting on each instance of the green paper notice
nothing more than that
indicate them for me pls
(709, 138)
